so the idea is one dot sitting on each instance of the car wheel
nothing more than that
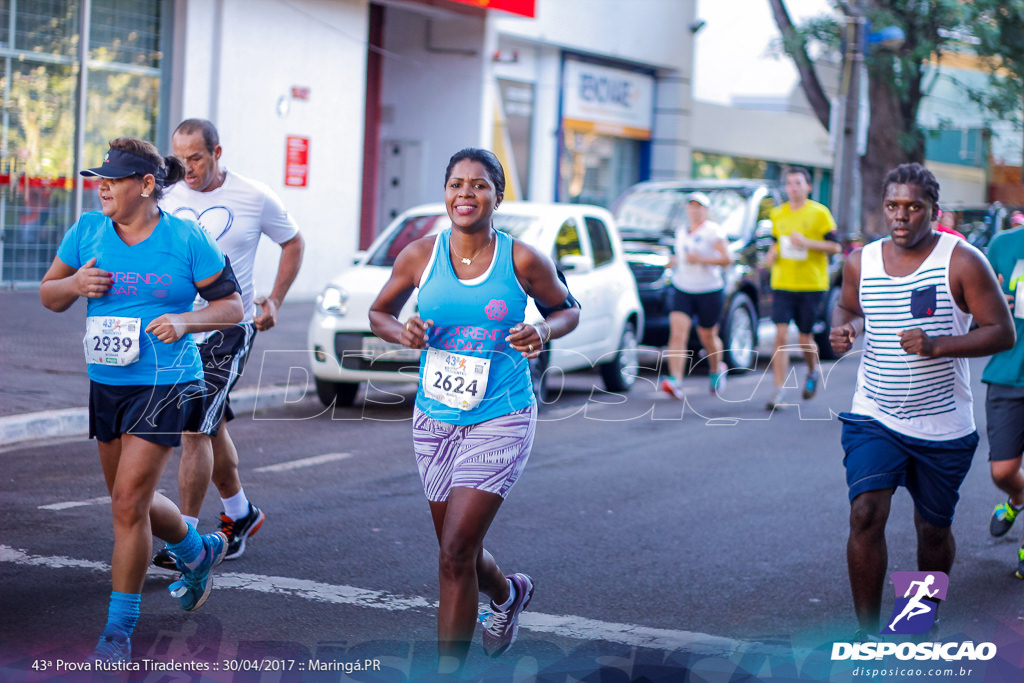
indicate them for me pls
(619, 374)
(823, 327)
(336, 393)
(739, 333)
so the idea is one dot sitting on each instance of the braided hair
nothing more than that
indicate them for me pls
(914, 174)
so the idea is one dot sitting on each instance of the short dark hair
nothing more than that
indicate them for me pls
(913, 174)
(169, 169)
(210, 137)
(483, 156)
(799, 170)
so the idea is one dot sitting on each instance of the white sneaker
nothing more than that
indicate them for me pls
(777, 400)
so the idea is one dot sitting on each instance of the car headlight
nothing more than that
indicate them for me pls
(333, 301)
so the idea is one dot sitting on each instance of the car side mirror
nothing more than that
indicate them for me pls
(576, 263)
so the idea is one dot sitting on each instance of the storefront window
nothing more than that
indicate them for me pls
(514, 133)
(607, 115)
(595, 168)
(39, 80)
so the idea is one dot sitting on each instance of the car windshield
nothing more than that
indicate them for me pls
(410, 230)
(521, 227)
(661, 210)
(524, 228)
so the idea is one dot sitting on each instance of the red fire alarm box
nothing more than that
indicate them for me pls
(296, 164)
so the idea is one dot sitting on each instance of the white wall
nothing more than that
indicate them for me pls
(654, 32)
(432, 92)
(265, 47)
(671, 144)
(787, 137)
(959, 184)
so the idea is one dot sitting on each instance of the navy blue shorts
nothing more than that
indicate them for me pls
(224, 355)
(705, 308)
(800, 307)
(1004, 415)
(878, 458)
(155, 413)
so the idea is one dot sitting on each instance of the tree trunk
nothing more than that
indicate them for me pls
(884, 152)
(891, 141)
(809, 81)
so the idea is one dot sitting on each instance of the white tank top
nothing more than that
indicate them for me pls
(926, 398)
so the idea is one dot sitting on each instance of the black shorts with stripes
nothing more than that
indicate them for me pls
(224, 355)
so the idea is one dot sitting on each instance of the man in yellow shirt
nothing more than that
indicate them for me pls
(804, 235)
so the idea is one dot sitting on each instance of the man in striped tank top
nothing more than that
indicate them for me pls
(914, 296)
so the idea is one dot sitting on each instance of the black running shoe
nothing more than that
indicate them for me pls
(1002, 519)
(238, 530)
(165, 559)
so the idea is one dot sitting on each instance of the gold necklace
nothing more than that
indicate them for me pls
(469, 260)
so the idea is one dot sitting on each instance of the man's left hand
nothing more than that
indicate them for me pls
(268, 318)
(916, 341)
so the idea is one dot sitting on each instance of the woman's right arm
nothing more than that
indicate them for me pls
(62, 284)
(405, 276)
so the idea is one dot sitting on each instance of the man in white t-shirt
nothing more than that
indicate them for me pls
(236, 212)
(697, 293)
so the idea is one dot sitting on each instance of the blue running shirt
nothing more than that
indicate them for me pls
(154, 277)
(472, 318)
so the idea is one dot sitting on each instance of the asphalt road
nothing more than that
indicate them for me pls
(667, 540)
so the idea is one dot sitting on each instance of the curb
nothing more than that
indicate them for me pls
(74, 422)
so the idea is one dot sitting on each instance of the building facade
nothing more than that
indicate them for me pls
(348, 109)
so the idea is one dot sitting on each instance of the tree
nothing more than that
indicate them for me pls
(896, 83)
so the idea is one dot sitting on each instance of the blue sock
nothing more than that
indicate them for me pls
(189, 549)
(122, 614)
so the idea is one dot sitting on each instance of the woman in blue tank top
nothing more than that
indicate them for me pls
(475, 413)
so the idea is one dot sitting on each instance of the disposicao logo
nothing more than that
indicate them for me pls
(917, 596)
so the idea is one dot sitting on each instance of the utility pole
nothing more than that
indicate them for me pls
(846, 190)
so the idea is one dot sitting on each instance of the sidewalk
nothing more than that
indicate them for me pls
(45, 387)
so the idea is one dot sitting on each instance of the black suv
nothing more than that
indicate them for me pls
(648, 215)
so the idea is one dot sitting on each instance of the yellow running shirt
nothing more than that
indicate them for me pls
(799, 269)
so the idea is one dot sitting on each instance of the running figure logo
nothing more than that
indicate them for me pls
(914, 612)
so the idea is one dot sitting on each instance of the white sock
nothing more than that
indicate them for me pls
(511, 597)
(237, 506)
(194, 521)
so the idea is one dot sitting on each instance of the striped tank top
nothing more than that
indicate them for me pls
(926, 398)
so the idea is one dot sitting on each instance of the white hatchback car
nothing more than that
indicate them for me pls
(582, 240)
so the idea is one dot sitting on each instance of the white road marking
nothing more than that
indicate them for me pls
(9, 554)
(304, 462)
(579, 628)
(102, 500)
(68, 504)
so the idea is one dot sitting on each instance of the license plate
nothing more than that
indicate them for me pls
(375, 348)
